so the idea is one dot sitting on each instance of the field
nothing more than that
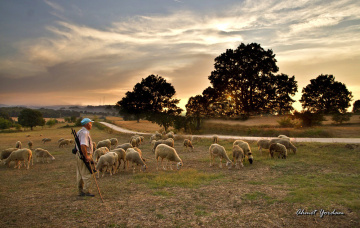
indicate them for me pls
(268, 193)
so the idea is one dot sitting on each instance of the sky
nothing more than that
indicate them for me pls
(90, 52)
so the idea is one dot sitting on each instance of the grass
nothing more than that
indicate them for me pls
(266, 193)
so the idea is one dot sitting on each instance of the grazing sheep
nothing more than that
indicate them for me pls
(124, 146)
(187, 144)
(280, 148)
(152, 137)
(30, 144)
(18, 144)
(139, 151)
(153, 143)
(114, 142)
(263, 144)
(215, 139)
(121, 156)
(18, 156)
(28, 135)
(106, 143)
(286, 143)
(238, 156)
(99, 152)
(158, 135)
(165, 151)
(44, 140)
(6, 153)
(107, 161)
(246, 148)
(134, 157)
(169, 142)
(43, 154)
(170, 135)
(284, 137)
(217, 150)
(64, 142)
(60, 140)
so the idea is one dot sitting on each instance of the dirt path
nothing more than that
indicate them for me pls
(321, 140)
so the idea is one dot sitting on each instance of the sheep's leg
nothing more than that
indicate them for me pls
(164, 168)
(211, 159)
(220, 162)
(133, 167)
(171, 166)
(157, 163)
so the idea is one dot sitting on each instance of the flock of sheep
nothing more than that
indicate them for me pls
(108, 155)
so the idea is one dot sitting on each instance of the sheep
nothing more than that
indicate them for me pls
(18, 156)
(187, 144)
(121, 156)
(134, 157)
(215, 139)
(286, 143)
(30, 144)
(217, 150)
(18, 145)
(64, 142)
(152, 137)
(106, 143)
(280, 148)
(44, 140)
(165, 151)
(263, 144)
(60, 140)
(107, 161)
(170, 135)
(284, 137)
(6, 153)
(238, 156)
(246, 148)
(169, 142)
(158, 135)
(99, 152)
(124, 146)
(136, 140)
(139, 151)
(114, 142)
(43, 154)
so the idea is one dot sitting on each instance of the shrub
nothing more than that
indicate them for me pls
(309, 119)
(340, 117)
(286, 122)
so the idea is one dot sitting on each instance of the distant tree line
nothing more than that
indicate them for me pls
(244, 82)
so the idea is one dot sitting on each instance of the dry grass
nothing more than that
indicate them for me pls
(141, 126)
(260, 195)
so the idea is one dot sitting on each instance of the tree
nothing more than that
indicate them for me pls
(197, 108)
(356, 106)
(151, 98)
(325, 95)
(31, 118)
(245, 84)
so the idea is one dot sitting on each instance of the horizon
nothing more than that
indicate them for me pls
(69, 53)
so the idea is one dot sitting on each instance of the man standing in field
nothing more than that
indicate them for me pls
(83, 175)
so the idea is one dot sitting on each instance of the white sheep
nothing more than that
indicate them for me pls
(134, 157)
(217, 150)
(246, 148)
(30, 144)
(44, 140)
(99, 152)
(169, 153)
(18, 145)
(284, 142)
(18, 156)
(238, 156)
(279, 148)
(114, 142)
(108, 161)
(124, 146)
(121, 156)
(43, 154)
(284, 137)
(64, 142)
(6, 153)
(169, 142)
(187, 144)
(215, 139)
(106, 143)
(263, 144)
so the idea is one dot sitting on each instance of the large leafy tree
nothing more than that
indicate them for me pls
(245, 83)
(31, 118)
(197, 109)
(152, 98)
(325, 95)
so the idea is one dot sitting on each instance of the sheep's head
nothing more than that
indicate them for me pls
(143, 168)
(52, 158)
(178, 165)
(251, 158)
(229, 164)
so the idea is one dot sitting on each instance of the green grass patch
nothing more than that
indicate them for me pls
(162, 193)
(189, 178)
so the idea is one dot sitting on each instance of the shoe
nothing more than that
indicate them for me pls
(89, 194)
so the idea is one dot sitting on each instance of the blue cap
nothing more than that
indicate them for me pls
(85, 121)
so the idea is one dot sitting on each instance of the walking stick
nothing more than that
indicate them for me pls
(93, 174)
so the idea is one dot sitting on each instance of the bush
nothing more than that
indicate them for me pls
(4, 123)
(340, 117)
(52, 122)
(309, 119)
(286, 122)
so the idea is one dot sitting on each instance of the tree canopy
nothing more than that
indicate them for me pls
(150, 99)
(356, 106)
(244, 83)
(325, 95)
(31, 118)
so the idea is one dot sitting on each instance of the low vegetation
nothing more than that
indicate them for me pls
(269, 192)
